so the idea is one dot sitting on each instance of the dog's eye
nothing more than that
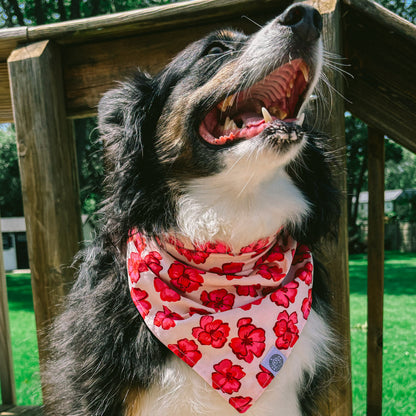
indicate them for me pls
(215, 49)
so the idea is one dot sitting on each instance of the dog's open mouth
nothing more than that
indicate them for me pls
(275, 99)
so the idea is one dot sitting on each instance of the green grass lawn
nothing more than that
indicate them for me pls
(24, 342)
(399, 360)
(399, 366)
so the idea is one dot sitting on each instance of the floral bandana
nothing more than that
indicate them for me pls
(233, 317)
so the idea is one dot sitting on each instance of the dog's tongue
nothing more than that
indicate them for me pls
(251, 119)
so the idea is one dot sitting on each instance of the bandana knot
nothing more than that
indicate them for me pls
(234, 317)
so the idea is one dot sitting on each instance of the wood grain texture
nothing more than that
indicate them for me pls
(8, 390)
(375, 283)
(49, 175)
(331, 121)
(381, 49)
(92, 69)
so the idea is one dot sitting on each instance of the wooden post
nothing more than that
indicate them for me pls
(49, 175)
(8, 390)
(331, 121)
(375, 283)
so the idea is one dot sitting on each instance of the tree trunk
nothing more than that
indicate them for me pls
(95, 10)
(17, 12)
(75, 9)
(358, 188)
(61, 9)
(39, 13)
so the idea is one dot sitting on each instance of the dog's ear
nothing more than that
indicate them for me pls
(136, 195)
(123, 118)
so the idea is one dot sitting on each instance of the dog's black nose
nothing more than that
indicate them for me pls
(304, 20)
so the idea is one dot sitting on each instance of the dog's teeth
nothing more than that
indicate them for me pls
(305, 71)
(266, 115)
(228, 102)
(229, 124)
(300, 120)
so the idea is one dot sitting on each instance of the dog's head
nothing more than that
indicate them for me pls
(213, 147)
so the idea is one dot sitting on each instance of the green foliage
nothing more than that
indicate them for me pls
(404, 8)
(10, 189)
(38, 12)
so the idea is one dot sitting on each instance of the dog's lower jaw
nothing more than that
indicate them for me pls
(180, 391)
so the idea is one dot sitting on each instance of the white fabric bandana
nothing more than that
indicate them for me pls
(233, 317)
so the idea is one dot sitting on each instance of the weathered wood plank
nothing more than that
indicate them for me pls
(6, 113)
(92, 69)
(381, 49)
(154, 19)
(8, 390)
(375, 282)
(48, 170)
(339, 396)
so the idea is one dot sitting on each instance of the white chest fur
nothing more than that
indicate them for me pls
(179, 391)
(251, 198)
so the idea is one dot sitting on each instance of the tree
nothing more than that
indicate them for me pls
(11, 203)
(39, 12)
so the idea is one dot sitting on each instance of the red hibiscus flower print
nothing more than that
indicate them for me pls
(186, 279)
(264, 377)
(285, 295)
(187, 351)
(241, 404)
(271, 271)
(249, 305)
(195, 256)
(276, 254)
(166, 293)
(302, 253)
(153, 262)
(286, 331)
(229, 269)
(250, 290)
(139, 242)
(250, 341)
(198, 311)
(211, 332)
(166, 319)
(139, 298)
(227, 376)
(219, 299)
(136, 266)
(216, 248)
(305, 273)
(257, 247)
(306, 304)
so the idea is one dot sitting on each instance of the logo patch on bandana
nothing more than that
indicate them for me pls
(274, 361)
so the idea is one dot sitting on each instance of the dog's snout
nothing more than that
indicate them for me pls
(305, 21)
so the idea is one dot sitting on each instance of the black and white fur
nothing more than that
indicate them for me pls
(163, 177)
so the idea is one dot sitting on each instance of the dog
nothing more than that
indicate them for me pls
(210, 158)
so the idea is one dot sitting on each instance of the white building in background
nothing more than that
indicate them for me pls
(13, 231)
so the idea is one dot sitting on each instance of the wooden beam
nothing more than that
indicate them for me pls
(8, 389)
(48, 170)
(339, 395)
(375, 282)
(155, 19)
(92, 69)
(381, 49)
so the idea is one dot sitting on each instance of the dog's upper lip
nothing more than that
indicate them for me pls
(245, 114)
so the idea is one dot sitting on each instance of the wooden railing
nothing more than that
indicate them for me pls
(63, 69)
